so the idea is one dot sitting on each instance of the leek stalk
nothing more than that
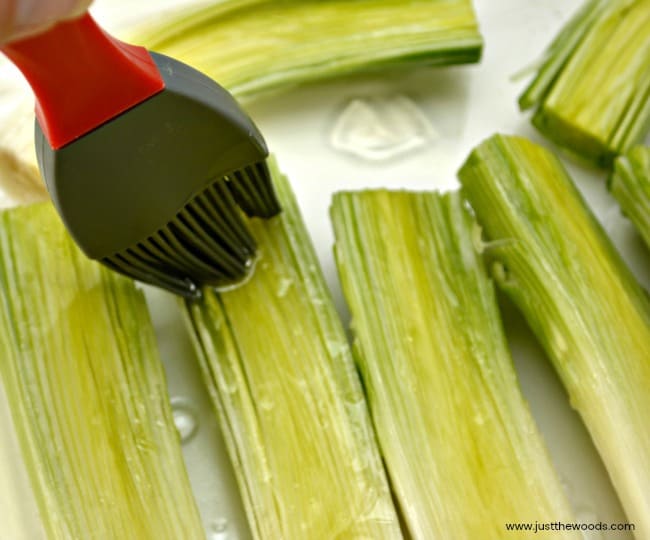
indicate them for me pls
(462, 450)
(630, 184)
(252, 46)
(87, 390)
(553, 259)
(277, 364)
(591, 93)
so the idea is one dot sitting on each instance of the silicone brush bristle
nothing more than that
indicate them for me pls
(160, 192)
(207, 242)
(253, 190)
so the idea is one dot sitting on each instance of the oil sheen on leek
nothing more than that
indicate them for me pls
(87, 390)
(554, 260)
(591, 92)
(252, 46)
(462, 451)
(276, 361)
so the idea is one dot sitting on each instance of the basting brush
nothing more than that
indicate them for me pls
(148, 161)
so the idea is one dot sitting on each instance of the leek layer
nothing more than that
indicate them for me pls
(463, 453)
(553, 259)
(630, 184)
(251, 46)
(87, 391)
(277, 364)
(592, 92)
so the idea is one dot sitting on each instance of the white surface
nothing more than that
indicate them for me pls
(456, 108)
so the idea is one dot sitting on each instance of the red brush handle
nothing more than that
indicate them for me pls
(82, 77)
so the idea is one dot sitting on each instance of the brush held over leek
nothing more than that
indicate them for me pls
(452, 424)
(553, 259)
(630, 184)
(254, 46)
(277, 364)
(87, 391)
(591, 94)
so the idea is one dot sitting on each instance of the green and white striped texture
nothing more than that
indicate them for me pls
(592, 92)
(276, 361)
(463, 453)
(630, 185)
(252, 46)
(553, 259)
(87, 390)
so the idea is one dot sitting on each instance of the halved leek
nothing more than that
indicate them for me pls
(554, 260)
(630, 184)
(463, 453)
(79, 364)
(591, 93)
(276, 361)
(252, 46)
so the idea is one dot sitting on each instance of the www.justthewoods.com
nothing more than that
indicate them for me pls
(562, 526)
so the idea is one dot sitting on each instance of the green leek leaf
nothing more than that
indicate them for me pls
(630, 184)
(252, 46)
(87, 391)
(553, 259)
(463, 453)
(591, 93)
(276, 361)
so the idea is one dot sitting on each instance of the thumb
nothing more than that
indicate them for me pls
(21, 18)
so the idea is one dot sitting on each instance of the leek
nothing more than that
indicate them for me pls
(251, 46)
(553, 259)
(452, 423)
(276, 361)
(87, 390)
(630, 184)
(591, 93)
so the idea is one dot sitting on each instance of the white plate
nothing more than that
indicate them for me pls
(429, 119)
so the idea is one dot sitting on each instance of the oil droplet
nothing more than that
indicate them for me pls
(185, 418)
(251, 264)
(316, 300)
(266, 404)
(359, 464)
(283, 287)
(378, 128)
(336, 348)
(219, 529)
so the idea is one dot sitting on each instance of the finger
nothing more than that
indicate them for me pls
(20, 18)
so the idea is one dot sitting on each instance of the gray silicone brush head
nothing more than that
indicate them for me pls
(156, 192)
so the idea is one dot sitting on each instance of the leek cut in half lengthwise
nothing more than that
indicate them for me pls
(250, 46)
(278, 366)
(553, 259)
(592, 92)
(461, 448)
(630, 184)
(87, 391)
